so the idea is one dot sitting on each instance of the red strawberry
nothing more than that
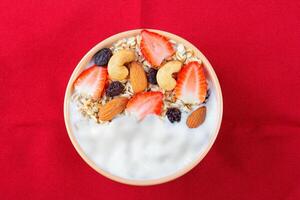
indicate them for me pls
(145, 103)
(191, 84)
(155, 47)
(91, 81)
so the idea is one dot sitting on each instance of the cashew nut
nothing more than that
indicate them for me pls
(164, 75)
(116, 68)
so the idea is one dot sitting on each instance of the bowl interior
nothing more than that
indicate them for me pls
(214, 87)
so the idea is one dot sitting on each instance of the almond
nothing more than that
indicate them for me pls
(112, 108)
(196, 118)
(138, 77)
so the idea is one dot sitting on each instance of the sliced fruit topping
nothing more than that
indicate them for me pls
(102, 57)
(145, 103)
(191, 84)
(114, 89)
(91, 82)
(174, 115)
(155, 47)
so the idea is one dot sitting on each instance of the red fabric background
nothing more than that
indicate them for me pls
(253, 45)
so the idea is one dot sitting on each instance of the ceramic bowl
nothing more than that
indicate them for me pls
(215, 87)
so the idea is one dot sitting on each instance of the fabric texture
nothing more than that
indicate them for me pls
(253, 46)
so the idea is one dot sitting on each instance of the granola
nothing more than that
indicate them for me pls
(89, 107)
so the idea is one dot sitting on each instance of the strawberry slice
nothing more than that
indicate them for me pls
(145, 103)
(91, 81)
(155, 47)
(191, 86)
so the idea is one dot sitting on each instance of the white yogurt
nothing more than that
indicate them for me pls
(151, 149)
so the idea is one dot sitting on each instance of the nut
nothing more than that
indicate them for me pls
(114, 107)
(164, 75)
(138, 77)
(116, 68)
(196, 118)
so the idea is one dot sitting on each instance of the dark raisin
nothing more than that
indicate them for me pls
(152, 76)
(102, 57)
(207, 96)
(115, 88)
(174, 115)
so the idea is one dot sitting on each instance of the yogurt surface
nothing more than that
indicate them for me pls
(151, 149)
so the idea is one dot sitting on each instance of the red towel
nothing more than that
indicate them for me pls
(254, 47)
